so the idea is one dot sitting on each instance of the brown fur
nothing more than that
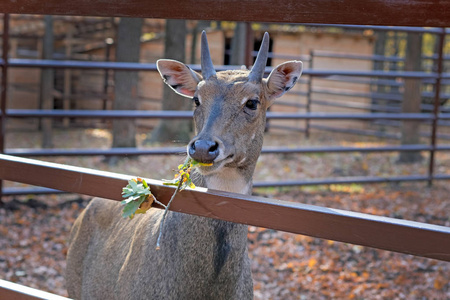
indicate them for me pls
(200, 258)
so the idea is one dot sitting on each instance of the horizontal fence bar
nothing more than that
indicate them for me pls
(175, 114)
(347, 180)
(403, 236)
(78, 64)
(382, 28)
(16, 191)
(375, 133)
(330, 54)
(370, 107)
(393, 12)
(14, 291)
(129, 66)
(59, 113)
(390, 148)
(23, 152)
(89, 64)
(388, 82)
(387, 74)
(93, 152)
(397, 97)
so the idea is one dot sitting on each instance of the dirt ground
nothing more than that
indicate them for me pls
(34, 229)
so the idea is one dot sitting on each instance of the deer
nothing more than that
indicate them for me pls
(110, 257)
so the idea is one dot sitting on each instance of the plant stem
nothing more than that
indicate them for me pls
(166, 210)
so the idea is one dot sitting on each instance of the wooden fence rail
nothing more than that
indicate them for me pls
(368, 12)
(380, 232)
(14, 291)
(403, 236)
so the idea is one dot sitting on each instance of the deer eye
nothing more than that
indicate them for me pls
(252, 104)
(196, 101)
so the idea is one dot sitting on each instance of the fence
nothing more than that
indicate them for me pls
(379, 232)
(434, 117)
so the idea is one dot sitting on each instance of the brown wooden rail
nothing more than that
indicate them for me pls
(403, 236)
(363, 12)
(14, 291)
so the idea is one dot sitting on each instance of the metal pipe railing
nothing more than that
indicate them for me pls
(380, 28)
(23, 152)
(436, 104)
(176, 114)
(4, 88)
(128, 66)
(433, 118)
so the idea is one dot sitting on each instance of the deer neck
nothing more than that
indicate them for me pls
(229, 180)
(220, 245)
(233, 179)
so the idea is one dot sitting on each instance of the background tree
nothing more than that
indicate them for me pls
(174, 48)
(238, 44)
(378, 65)
(126, 82)
(47, 83)
(412, 98)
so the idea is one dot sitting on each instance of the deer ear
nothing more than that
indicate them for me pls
(182, 79)
(282, 79)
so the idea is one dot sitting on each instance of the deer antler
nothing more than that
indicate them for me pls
(207, 65)
(257, 71)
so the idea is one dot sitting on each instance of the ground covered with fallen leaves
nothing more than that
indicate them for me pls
(34, 229)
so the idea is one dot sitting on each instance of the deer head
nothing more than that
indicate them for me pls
(230, 107)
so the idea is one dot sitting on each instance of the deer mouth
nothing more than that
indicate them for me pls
(216, 166)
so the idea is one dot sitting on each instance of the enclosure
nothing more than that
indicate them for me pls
(288, 166)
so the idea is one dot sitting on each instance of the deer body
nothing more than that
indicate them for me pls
(200, 258)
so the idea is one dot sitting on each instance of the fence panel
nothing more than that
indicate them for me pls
(403, 236)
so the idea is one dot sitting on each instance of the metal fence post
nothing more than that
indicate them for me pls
(108, 43)
(4, 86)
(248, 44)
(436, 106)
(308, 95)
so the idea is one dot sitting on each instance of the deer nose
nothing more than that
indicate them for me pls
(204, 151)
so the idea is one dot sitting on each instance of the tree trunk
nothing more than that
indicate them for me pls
(126, 82)
(47, 83)
(238, 45)
(195, 31)
(412, 99)
(174, 130)
(378, 65)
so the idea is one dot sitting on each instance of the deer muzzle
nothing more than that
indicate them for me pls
(204, 151)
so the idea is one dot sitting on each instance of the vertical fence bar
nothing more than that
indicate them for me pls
(437, 91)
(4, 86)
(4, 83)
(248, 44)
(108, 43)
(308, 96)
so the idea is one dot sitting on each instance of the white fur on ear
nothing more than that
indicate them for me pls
(283, 78)
(182, 79)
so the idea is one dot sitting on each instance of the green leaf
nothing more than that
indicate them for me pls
(127, 189)
(129, 199)
(133, 184)
(145, 184)
(130, 208)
